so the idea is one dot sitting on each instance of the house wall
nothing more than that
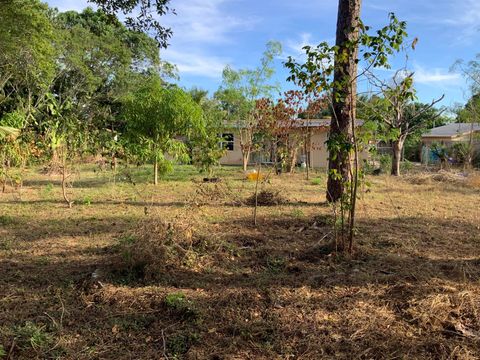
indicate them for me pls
(445, 140)
(318, 151)
(233, 157)
(448, 142)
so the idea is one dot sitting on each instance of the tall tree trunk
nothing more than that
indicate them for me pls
(155, 172)
(397, 148)
(344, 94)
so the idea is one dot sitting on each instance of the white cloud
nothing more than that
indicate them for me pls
(199, 28)
(196, 63)
(435, 76)
(467, 14)
(205, 21)
(66, 5)
(462, 17)
(296, 46)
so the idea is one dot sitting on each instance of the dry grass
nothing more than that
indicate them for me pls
(137, 272)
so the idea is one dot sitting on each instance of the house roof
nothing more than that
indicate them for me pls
(452, 130)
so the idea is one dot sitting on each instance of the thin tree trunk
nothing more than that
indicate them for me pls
(307, 165)
(245, 158)
(64, 181)
(354, 191)
(256, 195)
(155, 172)
(292, 159)
(344, 94)
(397, 147)
(468, 162)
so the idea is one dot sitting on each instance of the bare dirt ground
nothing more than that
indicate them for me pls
(180, 272)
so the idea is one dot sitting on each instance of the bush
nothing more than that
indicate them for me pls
(406, 166)
(476, 159)
(460, 152)
(385, 163)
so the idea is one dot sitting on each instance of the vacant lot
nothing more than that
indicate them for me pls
(179, 271)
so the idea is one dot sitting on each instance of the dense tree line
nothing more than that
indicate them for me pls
(86, 84)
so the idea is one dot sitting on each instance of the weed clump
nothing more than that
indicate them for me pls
(180, 305)
(178, 345)
(33, 336)
(6, 220)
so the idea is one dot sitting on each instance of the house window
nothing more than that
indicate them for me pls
(227, 142)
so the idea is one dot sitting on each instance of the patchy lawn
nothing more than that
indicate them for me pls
(180, 272)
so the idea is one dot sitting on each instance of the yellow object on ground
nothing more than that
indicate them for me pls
(254, 175)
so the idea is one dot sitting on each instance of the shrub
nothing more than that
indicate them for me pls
(385, 163)
(460, 152)
(406, 166)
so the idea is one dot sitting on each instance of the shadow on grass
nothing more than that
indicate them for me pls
(294, 252)
(79, 202)
(278, 292)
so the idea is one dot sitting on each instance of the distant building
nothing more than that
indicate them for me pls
(449, 135)
(316, 130)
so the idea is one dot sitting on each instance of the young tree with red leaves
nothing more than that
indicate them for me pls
(285, 124)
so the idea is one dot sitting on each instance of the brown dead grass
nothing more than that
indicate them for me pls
(185, 274)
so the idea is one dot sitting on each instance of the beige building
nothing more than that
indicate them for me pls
(317, 150)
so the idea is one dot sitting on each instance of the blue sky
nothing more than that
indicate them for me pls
(209, 34)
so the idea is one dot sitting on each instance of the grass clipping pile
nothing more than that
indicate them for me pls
(157, 246)
(214, 193)
(266, 198)
(443, 176)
